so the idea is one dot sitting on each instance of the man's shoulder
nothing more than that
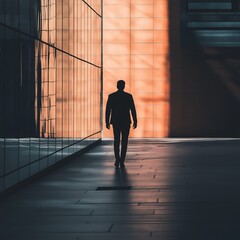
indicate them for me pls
(112, 94)
(128, 94)
(115, 94)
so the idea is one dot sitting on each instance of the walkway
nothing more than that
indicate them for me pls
(169, 190)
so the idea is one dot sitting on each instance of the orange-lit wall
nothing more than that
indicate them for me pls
(136, 47)
(71, 75)
(50, 83)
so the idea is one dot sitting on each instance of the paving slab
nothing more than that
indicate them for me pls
(171, 189)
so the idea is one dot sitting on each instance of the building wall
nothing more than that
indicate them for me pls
(50, 83)
(136, 49)
(204, 69)
(185, 83)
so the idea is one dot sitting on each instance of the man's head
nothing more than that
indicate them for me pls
(120, 85)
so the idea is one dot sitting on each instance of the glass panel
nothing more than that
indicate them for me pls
(142, 23)
(1, 184)
(2, 100)
(44, 102)
(142, 11)
(2, 11)
(26, 98)
(12, 95)
(24, 16)
(142, 36)
(59, 104)
(209, 5)
(12, 13)
(116, 11)
(36, 77)
(11, 179)
(71, 104)
(11, 154)
(65, 115)
(207, 25)
(49, 96)
(2, 157)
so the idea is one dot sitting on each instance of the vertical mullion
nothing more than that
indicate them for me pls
(101, 71)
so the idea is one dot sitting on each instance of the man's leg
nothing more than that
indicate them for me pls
(125, 134)
(116, 133)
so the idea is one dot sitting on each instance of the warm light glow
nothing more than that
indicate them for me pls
(69, 99)
(136, 48)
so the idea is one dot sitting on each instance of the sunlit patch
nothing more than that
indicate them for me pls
(67, 90)
(136, 44)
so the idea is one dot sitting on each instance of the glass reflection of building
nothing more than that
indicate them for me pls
(50, 83)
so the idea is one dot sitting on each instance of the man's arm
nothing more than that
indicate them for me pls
(107, 113)
(133, 111)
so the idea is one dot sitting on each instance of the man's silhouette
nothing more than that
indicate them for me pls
(118, 109)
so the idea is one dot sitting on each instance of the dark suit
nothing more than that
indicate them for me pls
(118, 109)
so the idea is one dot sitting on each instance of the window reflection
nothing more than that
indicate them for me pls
(50, 81)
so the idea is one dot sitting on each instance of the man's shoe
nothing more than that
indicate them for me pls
(122, 165)
(116, 164)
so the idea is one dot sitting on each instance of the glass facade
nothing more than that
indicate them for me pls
(136, 49)
(207, 23)
(50, 83)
